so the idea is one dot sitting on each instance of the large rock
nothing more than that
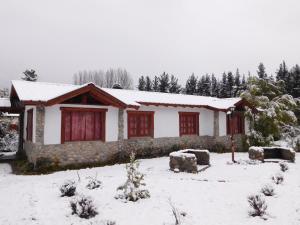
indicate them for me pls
(185, 162)
(256, 153)
(201, 155)
(262, 153)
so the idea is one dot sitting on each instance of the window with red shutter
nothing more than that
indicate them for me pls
(29, 126)
(83, 124)
(188, 123)
(235, 123)
(140, 124)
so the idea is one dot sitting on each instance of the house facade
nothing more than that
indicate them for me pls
(86, 124)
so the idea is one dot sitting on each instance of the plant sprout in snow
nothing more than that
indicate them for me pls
(131, 190)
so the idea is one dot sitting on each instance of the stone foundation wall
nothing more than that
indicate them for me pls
(97, 152)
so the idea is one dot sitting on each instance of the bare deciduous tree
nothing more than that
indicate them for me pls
(105, 79)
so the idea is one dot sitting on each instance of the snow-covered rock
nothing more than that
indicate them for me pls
(188, 159)
(262, 153)
(185, 162)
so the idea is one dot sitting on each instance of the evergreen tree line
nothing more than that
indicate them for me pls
(230, 85)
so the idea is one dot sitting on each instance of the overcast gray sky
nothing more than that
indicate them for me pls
(59, 37)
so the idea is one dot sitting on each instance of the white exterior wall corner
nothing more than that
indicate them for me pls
(52, 132)
(222, 124)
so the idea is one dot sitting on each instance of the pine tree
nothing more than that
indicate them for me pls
(237, 78)
(174, 86)
(214, 86)
(261, 72)
(230, 84)
(148, 84)
(142, 83)
(295, 73)
(155, 84)
(207, 86)
(283, 71)
(191, 85)
(30, 75)
(201, 86)
(244, 80)
(223, 87)
(164, 82)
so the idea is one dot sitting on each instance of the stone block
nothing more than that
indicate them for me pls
(256, 153)
(185, 162)
(201, 155)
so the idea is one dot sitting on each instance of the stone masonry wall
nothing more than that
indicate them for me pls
(97, 152)
(40, 124)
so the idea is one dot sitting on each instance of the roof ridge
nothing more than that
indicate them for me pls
(48, 83)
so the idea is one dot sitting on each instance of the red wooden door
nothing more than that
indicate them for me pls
(29, 126)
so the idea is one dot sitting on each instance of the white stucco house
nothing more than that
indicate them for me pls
(70, 124)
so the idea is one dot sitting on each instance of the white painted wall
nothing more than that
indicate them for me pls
(33, 122)
(166, 120)
(52, 132)
(222, 124)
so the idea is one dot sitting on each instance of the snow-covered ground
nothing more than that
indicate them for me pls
(216, 196)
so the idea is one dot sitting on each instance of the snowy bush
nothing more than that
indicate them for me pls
(276, 110)
(258, 205)
(8, 138)
(68, 188)
(278, 178)
(110, 222)
(268, 190)
(283, 166)
(131, 190)
(93, 183)
(83, 207)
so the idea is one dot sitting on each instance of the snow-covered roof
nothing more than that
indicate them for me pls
(40, 91)
(134, 97)
(4, 102)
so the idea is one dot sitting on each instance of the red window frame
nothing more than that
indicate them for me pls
(29, 125)
(140, 124)
(236, 122)
(189, 123)
(88, 124)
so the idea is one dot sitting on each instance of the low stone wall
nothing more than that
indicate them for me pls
(262, 153)
(97, 152)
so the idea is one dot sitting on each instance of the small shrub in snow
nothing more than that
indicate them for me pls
(258, 205)
(177, 214)
(278, 178)
(110, 222)
(131, 189)
(268, 190)
(68, 188)
(83, 207)
(93, 183)
(283, 166)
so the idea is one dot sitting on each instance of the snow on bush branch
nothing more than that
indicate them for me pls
(83, 207)
(131, 190)
(276, 116)
(8, 138)
(258, 205)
